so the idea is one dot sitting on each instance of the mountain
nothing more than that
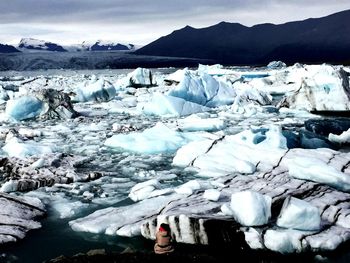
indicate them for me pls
(100, 45)
(107, 46)
(315, 40)
(7, 49)
(42, 45)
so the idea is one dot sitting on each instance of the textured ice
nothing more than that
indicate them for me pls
(112, 220)
(148, 189)
(284, 241)
(216, 69)
(230, 139)
(233, 153)
(164, 105)
(158, 139)
(322, 88)
(9, 186)
(23, 108)
(212, 194)
(299, 214)
(16, 148)
(139, 76)
(95, 90)
(196, 123)
(316, 170)
(251, 208)
(17, 217)
(204, 90)
(188, 188)
(343, 138)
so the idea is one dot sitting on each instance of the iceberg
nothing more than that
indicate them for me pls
(300, 215)
(158, 139)
(234, 153)
(322, 88)
(196, 123)
(25, 107)
(204, 90)
(147, 189)
(95, 90)
(164, 105)
(343, 138)
(16, 148)
(316, 170)
(123, 221)
(251, 208)
(138, 78)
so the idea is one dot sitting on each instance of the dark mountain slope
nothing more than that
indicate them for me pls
(317, 40)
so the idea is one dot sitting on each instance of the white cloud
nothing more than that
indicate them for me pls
(142, 21)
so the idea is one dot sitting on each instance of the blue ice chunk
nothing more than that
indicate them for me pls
(23, 108)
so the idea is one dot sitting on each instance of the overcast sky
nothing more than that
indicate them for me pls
(142, 21)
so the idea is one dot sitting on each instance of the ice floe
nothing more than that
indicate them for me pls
(18, 216)
(210, 151)
(95, 90)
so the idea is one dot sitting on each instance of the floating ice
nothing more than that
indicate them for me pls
(343, 138)
(148, 189)
(195, 123)
(9, 186)
(251, 208)
(16, 148)
(247, 95)
(316, 170)
(299, 214)
(284, 241)
(216, 69)
(111, 220)
(323, 88)
(212, 194)
(140, 77)
(276, 65)
(188, 188)
(17, 216)
(234, 153)
(95, 90)
(25, 107)
(164, 105)
(158, 139)
(204, 90)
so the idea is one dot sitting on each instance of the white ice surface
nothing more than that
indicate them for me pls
(158, 139)
(164, 105)
(204, 90)
(196, 123)
(95, 90)
(212, 194)
(316, 170)
(251, 208)
(23, 108)
(341, 139)
(113, 219)
(16, 148)
(299, 214)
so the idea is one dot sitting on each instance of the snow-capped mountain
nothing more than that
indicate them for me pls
(32, 44)
(36, 44)
(101, 45)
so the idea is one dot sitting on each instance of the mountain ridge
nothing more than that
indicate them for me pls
(313, 40)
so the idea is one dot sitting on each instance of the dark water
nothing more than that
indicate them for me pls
(56, 238)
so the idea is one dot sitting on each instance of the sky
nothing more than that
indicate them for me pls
(143, 21)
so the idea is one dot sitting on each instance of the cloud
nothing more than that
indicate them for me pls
(142, 21)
